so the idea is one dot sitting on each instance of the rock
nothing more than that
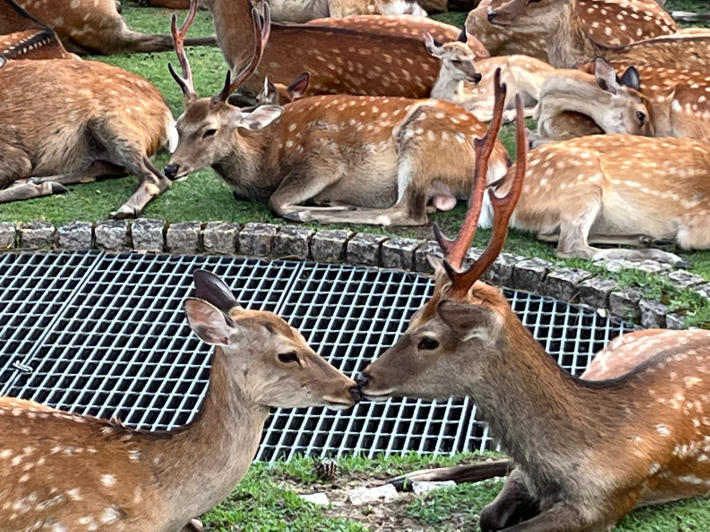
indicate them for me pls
(648, 266)
(147, 235)
(255, 239)
(595, 291)
(684, 279)
(625, 303)
(429, 248)
(653, 314)
(316, 498)
(76, 236)
(220, 237)
(501, 271)
(675, 321)
(423, 487)
(364, 248)
(703, 290)
(399, 253)
(291, 241)
(329, 245)
(112, 235)
(183, 237)
(37, 235)
(365, 495)
(8, 232)
(529, 274)
(563, 283)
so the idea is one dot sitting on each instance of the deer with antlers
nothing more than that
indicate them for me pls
(569, 42)
(96, 27)
(62, 471)
(330, 158)
(631, 431)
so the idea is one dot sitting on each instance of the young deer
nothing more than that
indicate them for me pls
(468, 81)
(94, 119)
(24, 37)
(96, 27)
(569, 42)
(587, 451)
(62, 471)
(357, 159)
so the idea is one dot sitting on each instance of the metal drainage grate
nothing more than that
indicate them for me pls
(105, 335)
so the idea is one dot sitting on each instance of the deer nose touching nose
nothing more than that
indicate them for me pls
(362, 379)
(355, 394)
(171, 171)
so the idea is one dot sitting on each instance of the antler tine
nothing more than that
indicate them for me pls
(262, 30)
(185, 82)
(503, 208)
(455, 251)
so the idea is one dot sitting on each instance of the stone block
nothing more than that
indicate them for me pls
(183, 237)
(563, 283)
(595, 292)
(38, 235)
(76, 236)
(291, 241)
(220, 237)
(112, 235)
(364, 248)
(255, 239)
(329, 245)
(624, 303)
(399, 253)
(147, 235)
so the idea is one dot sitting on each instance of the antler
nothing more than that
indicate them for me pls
(185, 82)
(262, 30)
(502, 206)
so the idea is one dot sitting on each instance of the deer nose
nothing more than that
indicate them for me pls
(491, 15)
(362, 379)
(477, 77)
(355, 394)
(171, 171)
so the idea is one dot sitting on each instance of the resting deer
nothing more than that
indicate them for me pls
(357, 159)
(468, 82)
(632, 431)
(96, 27)
(569, 43)
(63, 471)
(24, 37)
(305, 10)
(84, 120)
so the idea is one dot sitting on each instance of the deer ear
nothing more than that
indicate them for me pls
(605, 76)
(260, 117)
(214, 290)
(208, 322)
(299, 86)
(631, 78)
(471, 321)
(432, 46)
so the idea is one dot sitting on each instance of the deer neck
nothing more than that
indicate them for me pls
(568, 93)
(198, 466)
(568, 43)
(446, 87)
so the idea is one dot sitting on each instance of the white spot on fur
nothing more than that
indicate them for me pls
(108, 480)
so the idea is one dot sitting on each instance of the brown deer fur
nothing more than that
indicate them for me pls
(300, 11)
(61, 471)
(94, 119)
(24, 37)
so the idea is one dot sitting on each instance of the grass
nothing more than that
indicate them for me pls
(267, 499)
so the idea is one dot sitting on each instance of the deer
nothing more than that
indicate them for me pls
(96, 27)
(569, 42)
(64, 471)
(94, 120)
(24, 37)
(629, 432)
(371, 160)
(356, 62)
(303, 11)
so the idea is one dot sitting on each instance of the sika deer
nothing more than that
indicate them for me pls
(71, 121)
(587, 452)
(569, 43)
(62, 471)
(371, 160)
(96, 27)
(305, 10)
(24, 37)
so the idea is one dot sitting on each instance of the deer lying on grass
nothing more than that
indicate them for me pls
(24, 37)
(357, 159)
(96, 27)
(587, 451)
(62, 471)
(569, 43)
(468, 82)
(302, 11)
(94, 120)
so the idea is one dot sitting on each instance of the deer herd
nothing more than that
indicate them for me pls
(376, 115)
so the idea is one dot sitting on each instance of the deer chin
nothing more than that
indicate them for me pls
(377, 396)
(336, 403)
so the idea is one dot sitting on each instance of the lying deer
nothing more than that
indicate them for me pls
(63, 471)
(357, 159)
(468, 82)
(96, 27)
(569, 43)
(303, 11)
(632, 431)
(24, 37)
(94, 120)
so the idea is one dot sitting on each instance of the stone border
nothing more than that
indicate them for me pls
(343, 246)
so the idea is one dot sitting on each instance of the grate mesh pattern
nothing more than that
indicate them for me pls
(104, 335)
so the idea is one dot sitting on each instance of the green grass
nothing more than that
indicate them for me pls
(266, 500)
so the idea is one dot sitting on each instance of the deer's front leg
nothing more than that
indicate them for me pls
(152, 184)
(513, 504)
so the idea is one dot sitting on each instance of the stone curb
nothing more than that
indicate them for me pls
(343, 246)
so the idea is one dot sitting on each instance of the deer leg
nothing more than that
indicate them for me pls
(95, 170)
(512, 505)
(152, 184)
(15, 164)
(24, 191)
(560, 518)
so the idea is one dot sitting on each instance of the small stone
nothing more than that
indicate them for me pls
(563, 283)
(37, 235)
(112, 235)
(291, 242)
(430, 248)
(684, 279)
(329, 245)
(399, 253)
(316, 498)
(653, 314)
(147, 235)
(648, 266)
(8, 233)
(183, 237)
(529, 274)
(501, 271)
(625, 303)
(76, 236)
(365, 495)
(703, 290)
(255, 239)
(423, 487)
(675, 321)
(595, 291)
(364, 248)
(220, 237)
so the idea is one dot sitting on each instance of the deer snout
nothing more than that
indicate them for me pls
(356, 394)
(491, 15)
(171, 171)
(476, 77)
(362, 379)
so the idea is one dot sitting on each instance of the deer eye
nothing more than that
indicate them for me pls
(209, 133)
(641, 116)
(288, 358)
(427, 344)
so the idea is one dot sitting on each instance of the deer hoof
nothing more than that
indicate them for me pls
(297, 216)
(123, 212)
(58, 188)
(195, 525)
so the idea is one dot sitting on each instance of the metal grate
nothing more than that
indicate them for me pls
(104, 335)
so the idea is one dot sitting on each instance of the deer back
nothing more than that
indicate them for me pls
(23, 36)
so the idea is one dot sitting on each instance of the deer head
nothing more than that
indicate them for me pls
(457, 58)
(530, 16)
(273, 363)
(211, 128)
(275, 93)
(463, 316)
